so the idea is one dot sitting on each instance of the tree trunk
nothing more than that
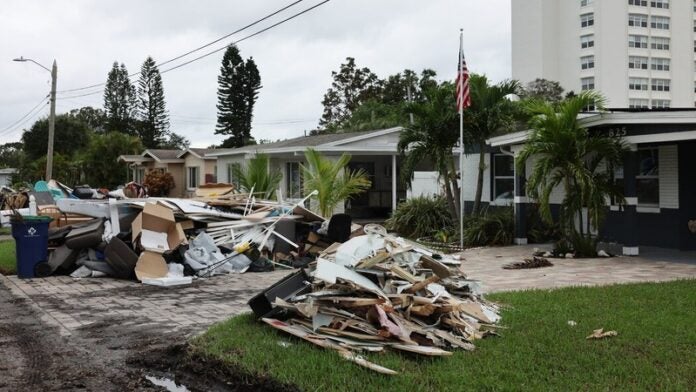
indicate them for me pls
(479, 180)
(456, 189)
(448, 195)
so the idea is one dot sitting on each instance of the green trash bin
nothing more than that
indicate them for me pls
(31, 243)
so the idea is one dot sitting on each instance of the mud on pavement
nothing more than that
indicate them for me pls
(104, 356)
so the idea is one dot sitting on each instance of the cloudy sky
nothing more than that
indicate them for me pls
(295, 59)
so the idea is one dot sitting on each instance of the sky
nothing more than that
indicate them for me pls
(295, 59)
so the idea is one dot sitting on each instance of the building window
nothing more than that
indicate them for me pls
(637, 62)
(640, 84)
(640, 3)
(638, 103)
(661, 103)
(695, 26)
(139, 175)
(587, 20)
(637, 20)
(659, 43)
(660, 85)
(659, 4)
(232, 171)
(587, 62)
(193, 177)
(294, 180)
(587, 83)
(648, 177)
(503, 177)
(587, 41)
(659, 22)
(638, 41)
(659, 64)
(585, 3)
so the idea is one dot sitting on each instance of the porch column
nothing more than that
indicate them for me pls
(393, 183)
(520, 207)
(630, 215)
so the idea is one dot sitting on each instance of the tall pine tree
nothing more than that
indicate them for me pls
(153, 126)
(238, 86)
(119, 100)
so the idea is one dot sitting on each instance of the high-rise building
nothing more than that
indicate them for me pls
(638, 53)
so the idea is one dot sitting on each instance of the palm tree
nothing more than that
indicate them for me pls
(432, 137)
(332, 179)
(490, 112)
(258, 176)
(570, 156)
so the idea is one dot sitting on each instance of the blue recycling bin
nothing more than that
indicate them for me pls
(31, 243)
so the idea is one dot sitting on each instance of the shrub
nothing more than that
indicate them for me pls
(159, 183)
(421, 217)
(490, 228)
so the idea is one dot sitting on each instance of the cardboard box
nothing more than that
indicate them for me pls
(150, 265)
(155, 229)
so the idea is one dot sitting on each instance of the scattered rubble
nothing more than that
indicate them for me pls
(601, 334)
(378, 291)
(534, 262)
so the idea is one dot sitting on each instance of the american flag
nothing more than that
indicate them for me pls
(463, 96)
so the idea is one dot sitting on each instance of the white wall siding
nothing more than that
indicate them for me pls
(669, 176)
(471, 162)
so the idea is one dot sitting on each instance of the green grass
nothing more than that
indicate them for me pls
(7, 258)
(538, 351)
(5, 231)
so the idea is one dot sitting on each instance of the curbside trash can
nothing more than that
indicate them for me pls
(31, 243)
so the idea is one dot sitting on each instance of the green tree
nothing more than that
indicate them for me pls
(544, 90)
(257, 175)
(176, 142)
(490, 112)
(152, 112)
(569, 156)
(11, 154)
(334, 181)
(99, 159)
(71, 135)
(238, 86)
(120, 100)
(93, 118)
(432, 137)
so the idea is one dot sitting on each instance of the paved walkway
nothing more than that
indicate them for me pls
(485, 264)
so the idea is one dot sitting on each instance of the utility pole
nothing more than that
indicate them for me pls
(51, 122)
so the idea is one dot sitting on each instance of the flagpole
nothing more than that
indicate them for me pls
(461, 152)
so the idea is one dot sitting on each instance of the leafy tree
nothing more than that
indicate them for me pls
(152, 111)
(332, 179)
(432, 137)
(395, 88)
(238, 86)
(351, 86)
(569, 156)
(93, 118)
(544, 90)
(65, 169)
(373, 114)
(490, 112)
(258, 176)
(176, 142)
(11, 154)
(99, 159)
(159, 183)
(71, 135)
(119, 100)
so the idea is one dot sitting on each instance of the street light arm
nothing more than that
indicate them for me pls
(23, 60)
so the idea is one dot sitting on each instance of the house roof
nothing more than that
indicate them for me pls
(8, 170)
(133, 158)
(321, 142)
(198, 152)
(162, 155)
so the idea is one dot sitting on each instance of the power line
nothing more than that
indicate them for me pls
(19, 126)
(43, 101)
(199, 48)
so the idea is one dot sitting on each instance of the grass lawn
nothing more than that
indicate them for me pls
(655, 348)
(7, 258)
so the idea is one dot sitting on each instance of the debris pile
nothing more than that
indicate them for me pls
(534, 262)
(378, 291)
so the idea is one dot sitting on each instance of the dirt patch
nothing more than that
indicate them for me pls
(113, 354)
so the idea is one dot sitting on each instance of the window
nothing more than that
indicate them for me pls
(587, 41)
(659, 4)
(587, 62)
(659, 22)
(640, 3)
(192, 178)
(294, 180)
(640, 84)
(638, 20)
(695, 26)
(638, 41)
(660, 85)
(659, 43)
(638, 103)
(637, 62)
(661, 103)
(585, 3)
(503, 177)
(587, 83)
(659, 64)
(139, 175)
(647, 178)
(232, 169)
(587, 20)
